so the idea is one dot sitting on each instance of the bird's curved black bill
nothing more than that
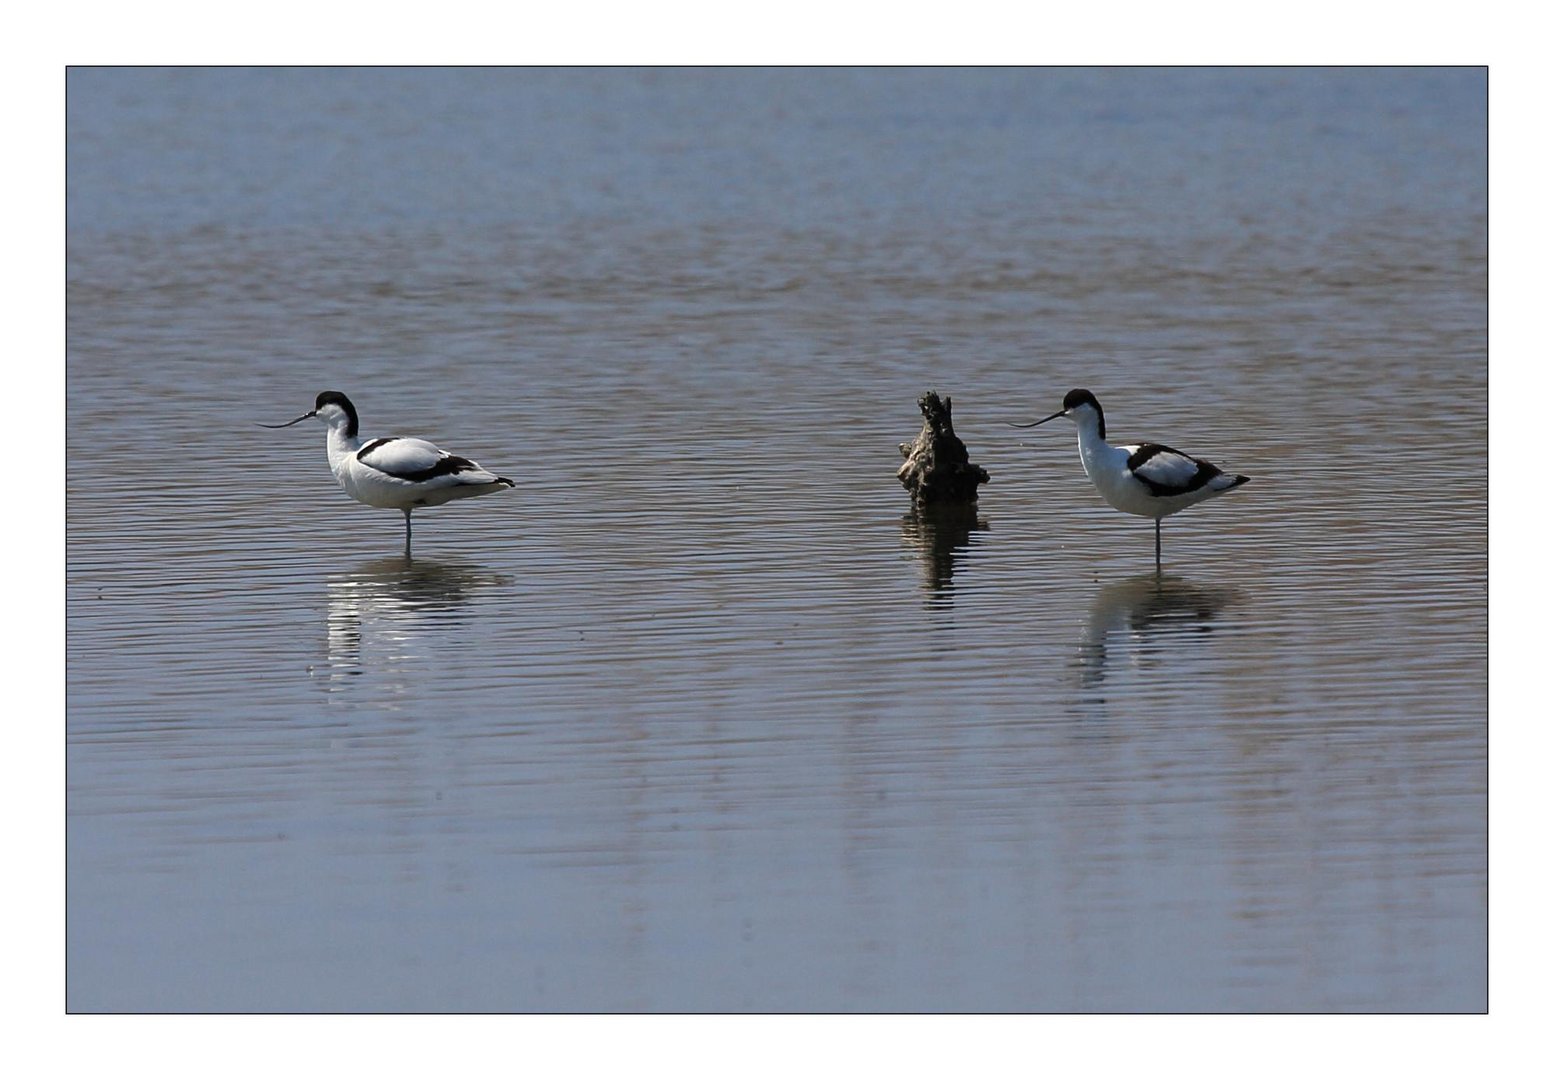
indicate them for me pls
(1038, 423)
(298, 420)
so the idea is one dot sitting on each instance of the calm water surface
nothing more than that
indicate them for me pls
(702, 716)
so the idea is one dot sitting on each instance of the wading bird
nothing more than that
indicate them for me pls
(394, 473)
(1150, 480)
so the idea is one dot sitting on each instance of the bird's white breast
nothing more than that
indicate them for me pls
(1107, 468)
(365, 484)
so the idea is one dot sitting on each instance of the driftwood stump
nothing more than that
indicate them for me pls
(937, 468)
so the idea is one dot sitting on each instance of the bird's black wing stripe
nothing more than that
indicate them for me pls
(447, 465)
(451, 465)
(1141, 457)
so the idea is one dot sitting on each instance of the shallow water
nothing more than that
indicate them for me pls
(702, 716)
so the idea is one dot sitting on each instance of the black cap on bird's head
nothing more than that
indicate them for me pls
(333, 397)
(1075, 398)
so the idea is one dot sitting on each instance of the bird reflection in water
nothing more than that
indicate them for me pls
(382, 610)
(941, 532)
(1131, 621)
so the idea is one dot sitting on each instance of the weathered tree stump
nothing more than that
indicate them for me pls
(937, 468)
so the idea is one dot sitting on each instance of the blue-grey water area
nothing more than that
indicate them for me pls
(702, 716)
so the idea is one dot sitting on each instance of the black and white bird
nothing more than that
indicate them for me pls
(394, 473)
(1149, 479)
